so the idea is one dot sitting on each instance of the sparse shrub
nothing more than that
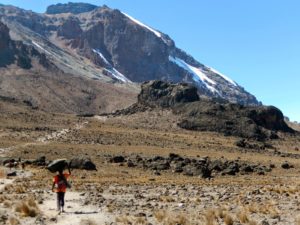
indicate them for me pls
(176, 219)
(220, 213)
(297, 221)
(124, 220)
(228, 220)
(87, 222)
(7, 204)
(13, 221)
(242, 216)
(140, 220)
(160, 215)
(19, 190)
(2, 198)
(26, 210)
(210, 217)
(252, 222)
(2, 174)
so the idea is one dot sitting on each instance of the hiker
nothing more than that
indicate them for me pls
(60, 184)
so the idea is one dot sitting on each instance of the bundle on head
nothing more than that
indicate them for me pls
(57, 165)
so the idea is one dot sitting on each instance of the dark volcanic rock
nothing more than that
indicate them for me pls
(82, 163)
(202, 168)
(286, 165)
(117, 159)
(70, 7)
(19, 53)
(70, 29)
(251, 122)
(270, 118)
(231, 119)
(159, 93)
(6, 54)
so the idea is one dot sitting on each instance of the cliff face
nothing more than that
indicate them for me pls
(108, 45)
(15, 52)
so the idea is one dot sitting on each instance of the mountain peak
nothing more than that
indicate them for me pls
(71, 7)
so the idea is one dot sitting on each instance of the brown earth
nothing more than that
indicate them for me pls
(136, 196)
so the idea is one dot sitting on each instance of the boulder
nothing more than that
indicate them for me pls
(164, 94)
(41, 161)
(12, 174)
(82, 163)
(117, 159)
(286, 165)
(231, 169)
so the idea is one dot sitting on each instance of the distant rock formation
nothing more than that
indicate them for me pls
(16, 52)
(253, 122)
(166, 94)
(70, 7)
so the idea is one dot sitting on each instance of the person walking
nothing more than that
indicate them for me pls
(60, 185)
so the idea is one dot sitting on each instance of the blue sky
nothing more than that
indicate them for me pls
(254, 42)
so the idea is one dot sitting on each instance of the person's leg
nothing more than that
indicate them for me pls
(58, 201)
(62, 201)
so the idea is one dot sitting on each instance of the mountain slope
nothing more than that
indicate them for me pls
(27, 76)
(108, 45)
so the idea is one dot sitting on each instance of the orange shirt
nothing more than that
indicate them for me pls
(60, 185)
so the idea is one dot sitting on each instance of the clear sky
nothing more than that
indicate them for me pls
(254, 42)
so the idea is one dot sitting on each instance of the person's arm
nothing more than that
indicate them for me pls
(53, 185)
(69, 168)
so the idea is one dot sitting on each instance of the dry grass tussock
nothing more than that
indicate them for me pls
(2, 173)
(13, 221)
(27, 208)
(161, 217)
(88, 222)
(242, 217)
(297, 220)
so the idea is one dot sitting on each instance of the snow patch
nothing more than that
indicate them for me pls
(101, 55)
(197, 73)
(158, 34)
(113, 71)
(223, 76)
(40, 47)
(118, 75)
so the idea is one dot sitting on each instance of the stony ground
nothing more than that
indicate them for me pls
(120, 194)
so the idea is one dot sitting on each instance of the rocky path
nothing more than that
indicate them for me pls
(76, 212)
(45, 139)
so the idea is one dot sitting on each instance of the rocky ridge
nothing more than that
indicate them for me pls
(259, 123)
(203, 167)
(15, 52)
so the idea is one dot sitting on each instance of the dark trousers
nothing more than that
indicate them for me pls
(60, 200)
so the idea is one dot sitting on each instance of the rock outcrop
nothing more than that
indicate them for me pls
(166, 94)
(253, 122)
(16, 52)
(199, 167)
(70, 7)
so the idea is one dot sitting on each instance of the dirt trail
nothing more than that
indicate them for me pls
(45, 139)
(76, 212)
